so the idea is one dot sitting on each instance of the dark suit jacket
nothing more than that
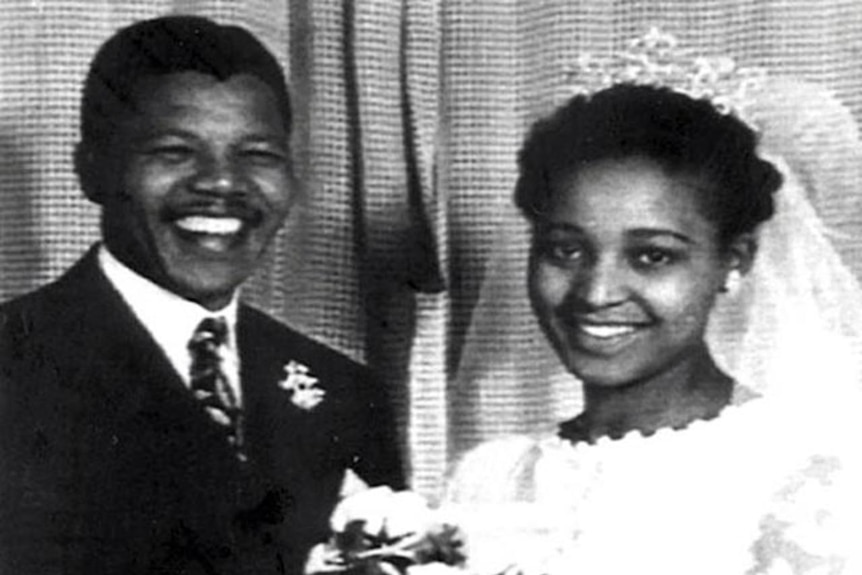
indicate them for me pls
(109, 465)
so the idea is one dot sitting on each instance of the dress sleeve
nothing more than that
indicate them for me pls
(495, 472)
(813, 522)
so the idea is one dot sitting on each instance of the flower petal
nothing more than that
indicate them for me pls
(368, 506)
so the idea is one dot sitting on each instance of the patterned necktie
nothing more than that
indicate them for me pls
(209, 383)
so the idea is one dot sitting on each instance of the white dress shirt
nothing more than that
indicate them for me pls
(171, 320)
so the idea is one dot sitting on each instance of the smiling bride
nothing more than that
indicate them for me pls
(682, 276)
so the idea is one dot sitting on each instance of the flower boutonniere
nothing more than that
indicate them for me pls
(302, 385)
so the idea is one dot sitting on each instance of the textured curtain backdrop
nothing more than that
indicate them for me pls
(409, 116)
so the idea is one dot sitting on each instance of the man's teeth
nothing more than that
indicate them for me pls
(607, 331)
(210, 225)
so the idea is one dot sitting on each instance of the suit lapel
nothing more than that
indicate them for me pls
(285, 440)
(259, 375)
(137, 378)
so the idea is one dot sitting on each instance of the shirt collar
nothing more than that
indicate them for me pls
(169, 318)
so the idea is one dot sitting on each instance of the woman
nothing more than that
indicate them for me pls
(647, 209)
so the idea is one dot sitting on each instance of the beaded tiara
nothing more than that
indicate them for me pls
(655, 59)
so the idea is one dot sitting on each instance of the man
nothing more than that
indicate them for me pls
(150, 422)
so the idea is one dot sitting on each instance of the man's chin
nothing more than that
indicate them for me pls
(212, 291)
(209, 276)
(213, 300)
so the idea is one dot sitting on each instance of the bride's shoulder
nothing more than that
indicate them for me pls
(501, 445)
(492, 470)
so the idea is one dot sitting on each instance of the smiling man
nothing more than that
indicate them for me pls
(151, 422)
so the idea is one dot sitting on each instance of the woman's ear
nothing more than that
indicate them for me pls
(740, 258)
(741, 252)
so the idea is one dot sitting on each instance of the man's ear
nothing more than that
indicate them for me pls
(89, 173)
(741, 252)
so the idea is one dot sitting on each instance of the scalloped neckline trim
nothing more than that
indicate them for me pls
(742, 398)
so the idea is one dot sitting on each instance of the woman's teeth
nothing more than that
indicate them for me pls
(210, 225)
(607, 331)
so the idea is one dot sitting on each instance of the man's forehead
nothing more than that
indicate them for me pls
(182, 91)
(194, 80)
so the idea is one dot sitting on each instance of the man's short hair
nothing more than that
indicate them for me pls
(170, 45)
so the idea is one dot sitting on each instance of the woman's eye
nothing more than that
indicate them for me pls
(563, 252)
(653, 258)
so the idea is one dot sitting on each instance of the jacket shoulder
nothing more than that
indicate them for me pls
(56, 305)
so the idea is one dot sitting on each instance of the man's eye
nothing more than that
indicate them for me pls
(172, 154)
(264, 156)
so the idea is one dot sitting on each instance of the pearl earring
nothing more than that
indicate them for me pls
(732, 283)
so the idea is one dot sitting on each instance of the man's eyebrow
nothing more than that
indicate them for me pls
(148, 132)
(264, 138)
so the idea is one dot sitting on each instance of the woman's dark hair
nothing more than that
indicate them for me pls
(681, 134)
(169, 45)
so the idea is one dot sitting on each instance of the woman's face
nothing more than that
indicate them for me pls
(624, 270)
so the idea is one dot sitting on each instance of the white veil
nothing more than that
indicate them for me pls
(794, 326)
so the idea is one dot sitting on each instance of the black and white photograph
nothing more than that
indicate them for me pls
(430, 287)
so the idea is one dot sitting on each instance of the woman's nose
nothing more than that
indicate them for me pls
(602, 284)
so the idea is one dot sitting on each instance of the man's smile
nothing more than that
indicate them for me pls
(197, 205)
(210, 225)
(216, 234)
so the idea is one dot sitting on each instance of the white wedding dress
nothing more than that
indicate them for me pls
(771, 486)
(765, 488)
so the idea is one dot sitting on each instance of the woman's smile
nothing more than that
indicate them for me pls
(608, 332)
(625, 270)
(604, 338)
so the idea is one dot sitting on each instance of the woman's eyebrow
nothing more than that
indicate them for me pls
(551, 226)
(650, 233)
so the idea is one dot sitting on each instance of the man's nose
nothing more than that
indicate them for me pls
(219, 175)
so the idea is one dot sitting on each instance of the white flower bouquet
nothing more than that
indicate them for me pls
(382, 532)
